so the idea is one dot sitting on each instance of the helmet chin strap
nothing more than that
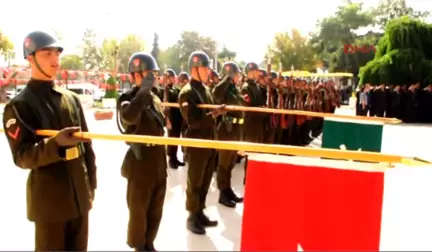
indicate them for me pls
(40, 68)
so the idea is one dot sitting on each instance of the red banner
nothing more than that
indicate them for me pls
(316, 208)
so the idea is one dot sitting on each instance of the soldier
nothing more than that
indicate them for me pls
(183, 79)
(228, 129)
(214, 79)
(144, 165)
(62, 179)
(174, 116)
(157, 89)
(254, 97)
(200, 124)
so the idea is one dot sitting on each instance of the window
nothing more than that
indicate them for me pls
(77, 91)
(88, 92)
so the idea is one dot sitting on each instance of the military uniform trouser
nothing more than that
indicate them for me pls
(201, 163)
(269, 135)
(145, 199)
(69, 235)
(226, 162)
(172, 149)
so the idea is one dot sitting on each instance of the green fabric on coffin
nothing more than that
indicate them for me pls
(363, 135)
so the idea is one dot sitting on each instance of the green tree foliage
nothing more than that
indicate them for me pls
(404, 55)
(155, 50)
(72, 62)
(170, 57)
(392, 9)
(191, 41)
(292, 49)
(91, 53)
(338, 30)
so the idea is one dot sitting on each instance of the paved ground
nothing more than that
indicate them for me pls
(109, 216)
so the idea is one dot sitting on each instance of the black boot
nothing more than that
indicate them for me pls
(194, 225)
(205, 221)
(180, 163)
(173, 164)
(239, 159)
(225, 199)
(150, 247)
(232, 196)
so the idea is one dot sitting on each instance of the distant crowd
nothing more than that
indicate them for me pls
(410, 103)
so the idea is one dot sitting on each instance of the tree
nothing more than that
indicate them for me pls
(340, 29)
(226, 54)
(6, 51)
(292, 49)
(155, 50)
(191, 41)
(6, 46)
(108, 52)
(72, 62)
(127, 46)
(404, 55)
(170, 57)
(91, 53)
(391, 9)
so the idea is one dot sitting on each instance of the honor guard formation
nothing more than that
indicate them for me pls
(62, 180)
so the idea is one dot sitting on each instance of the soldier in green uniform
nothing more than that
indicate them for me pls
(144, 165)
(228, 129)
(62, 178)
(174, 116)
(254, 97)
(214, 79)
(200, 124)
(183, 78)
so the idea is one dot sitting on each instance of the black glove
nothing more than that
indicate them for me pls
(66, 138)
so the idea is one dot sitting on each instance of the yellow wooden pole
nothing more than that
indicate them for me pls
(294, 112)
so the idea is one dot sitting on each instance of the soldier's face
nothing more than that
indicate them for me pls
(204, 73)
(48, 60)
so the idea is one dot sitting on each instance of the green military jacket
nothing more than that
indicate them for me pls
(200, 124)
(141, 114)
(229, 126)
(57, 189)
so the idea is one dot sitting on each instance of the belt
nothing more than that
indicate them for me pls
(72, 153)
(234, 120)
(148, 144)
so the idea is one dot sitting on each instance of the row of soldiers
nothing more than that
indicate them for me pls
(286, 93)
(410, 103)
(250, 87)
(63, 174)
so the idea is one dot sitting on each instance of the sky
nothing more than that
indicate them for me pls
(229, 22)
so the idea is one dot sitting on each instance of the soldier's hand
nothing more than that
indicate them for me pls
(221, 110)
(66, 137)
(148, 82)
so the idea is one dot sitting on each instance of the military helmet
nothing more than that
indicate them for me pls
(230, 68)
(183, 75)
(199, 59)
(214, 74)
(273, 74)
(142, 61)
(38, 40)
(170, 72)
(263, 72)
(250, 67)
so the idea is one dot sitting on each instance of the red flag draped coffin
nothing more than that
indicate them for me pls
(328, 205)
